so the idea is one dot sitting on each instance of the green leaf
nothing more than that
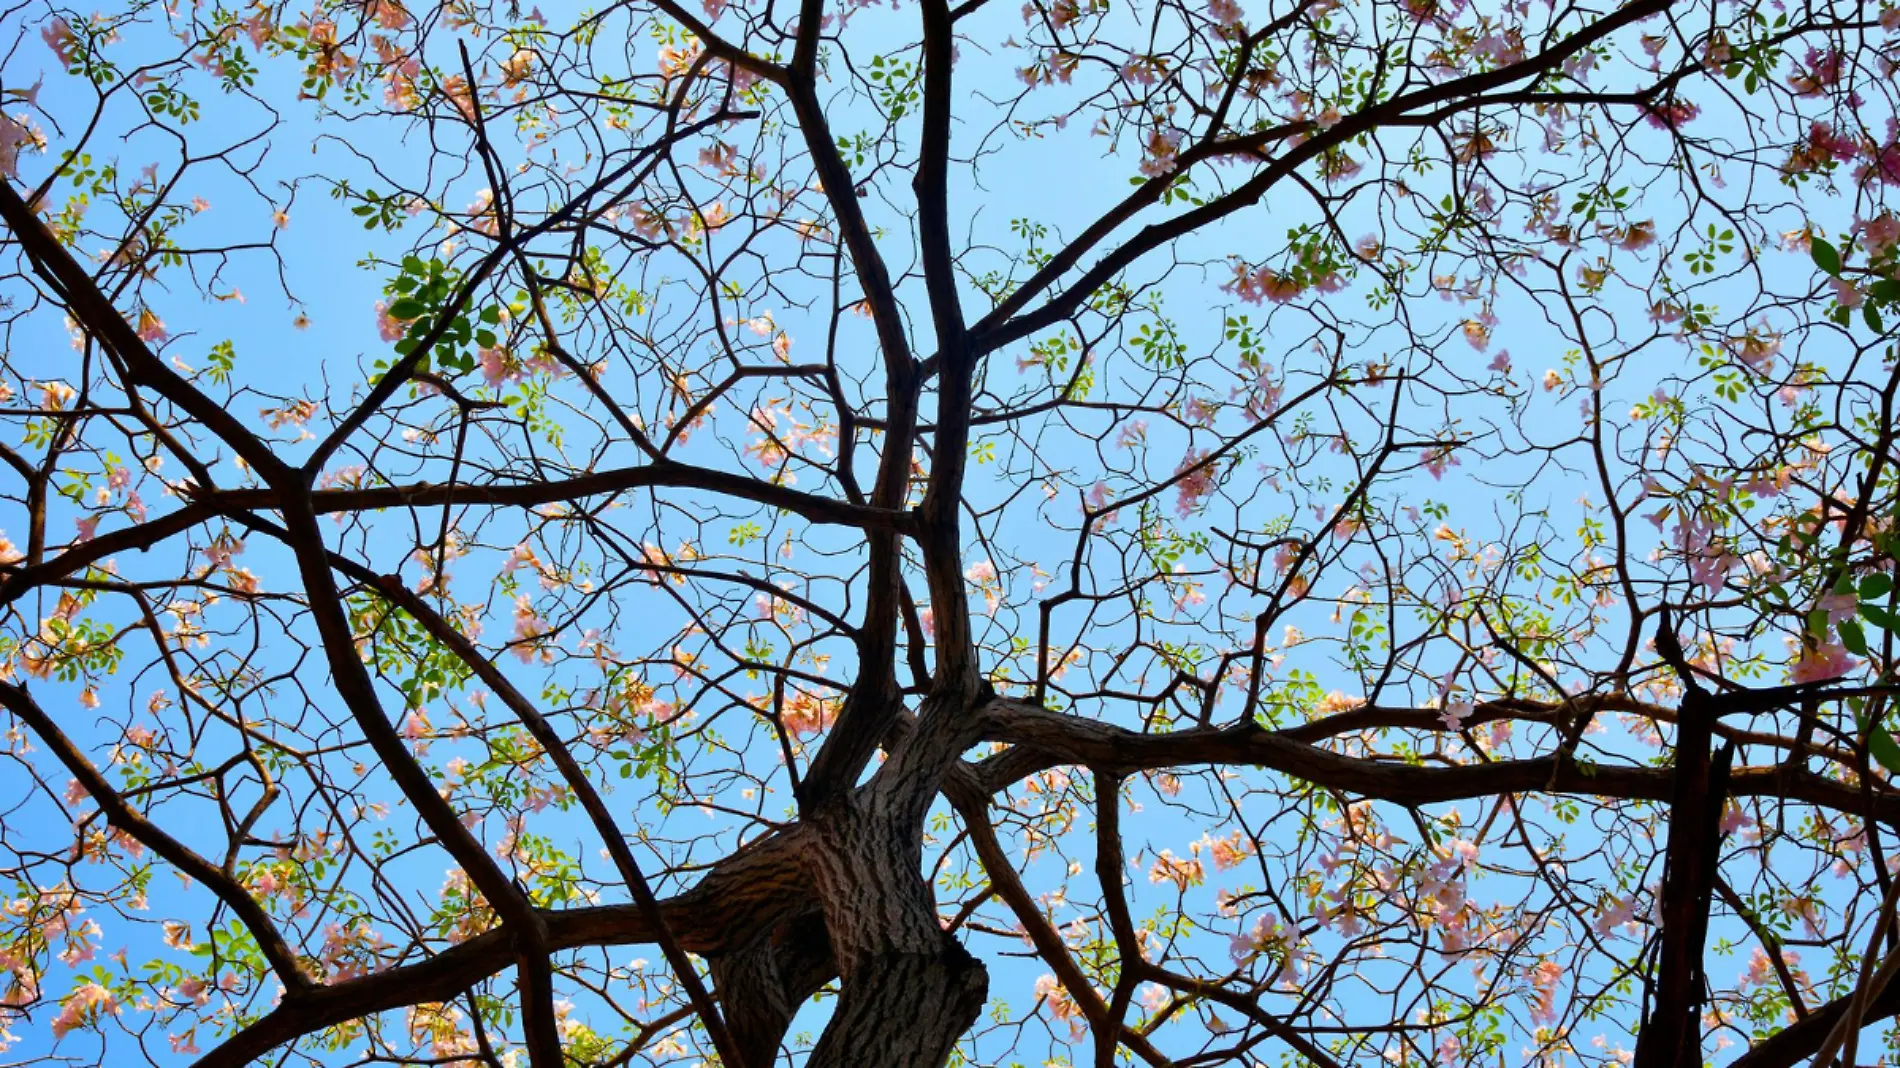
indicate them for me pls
(1879, 617)
(1826, 256)
(1881, 745)
(1853, 637)
(1875, 586)
(406, 309)
(1873, 319)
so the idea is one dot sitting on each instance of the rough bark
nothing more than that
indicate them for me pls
(762, 985)
(904, 1009)
(909, 989)
(1671, 1034)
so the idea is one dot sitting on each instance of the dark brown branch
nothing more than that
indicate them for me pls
(576, 778)
(1008, 322)
(94, 311)
(1047, 739)
(532, 494)
(750, 893)
(118, 813)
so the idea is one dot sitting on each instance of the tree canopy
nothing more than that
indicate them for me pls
(1112, 532)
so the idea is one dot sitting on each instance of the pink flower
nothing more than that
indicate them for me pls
(1634, 237)
(1140, 70)
(15, 135)
(259, 27)
(1265, 284)
(82, 1005)
(1477, 333)
(1055, 998)
(1761, 968)
(388, 327)
(1845, 292)
(495, 366)
(1224, 12)
(521, 556)
(1819, 72)
(1162, 147)
(59, 37)
(1880, 234)
(1182, 872)
(388, 14)
(1671, 114)
(720, 157)
(1197, 481)
(1230, 852)
(1709, 562)
(456, 89)
(529, 627)
(1822, 663)
(1826, 146)
(1838, 606)
(1618, 912)
(1544, 980)
(1436, 460)
(1433, 10)
(806, 713)
(151, 327)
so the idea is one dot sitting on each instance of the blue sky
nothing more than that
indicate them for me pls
(1061, 180)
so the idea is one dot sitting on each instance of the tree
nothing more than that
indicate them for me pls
(968, 534)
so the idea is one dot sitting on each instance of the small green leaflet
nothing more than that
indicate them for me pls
(1826, 256)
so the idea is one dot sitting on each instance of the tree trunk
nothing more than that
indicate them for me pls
(909, 990)
(904, 1010)
(1672, 1035)
(762, 985)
